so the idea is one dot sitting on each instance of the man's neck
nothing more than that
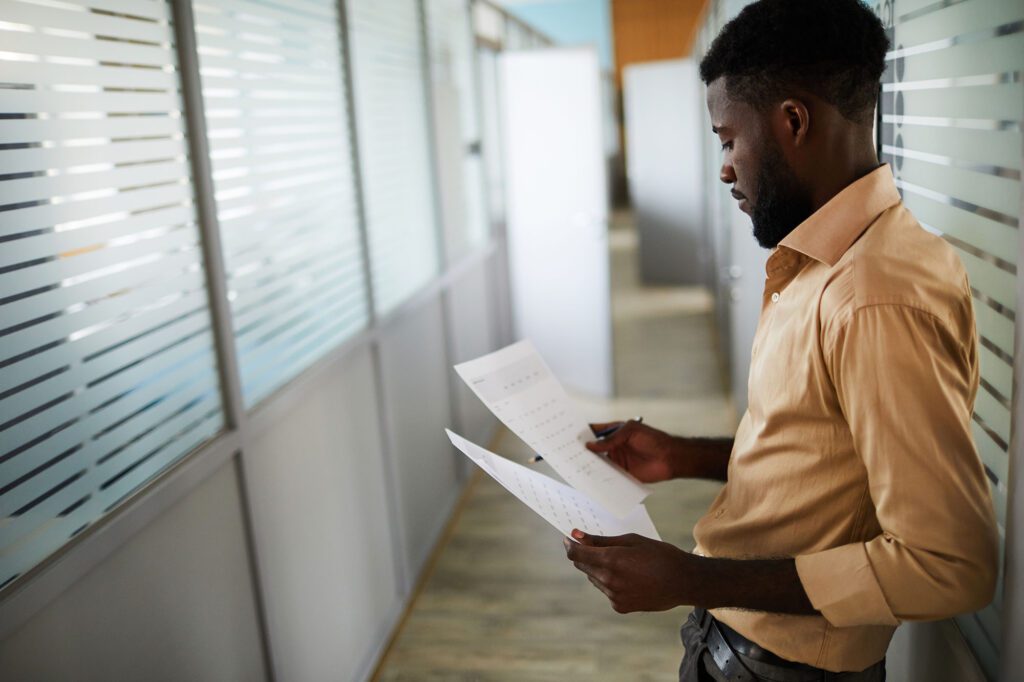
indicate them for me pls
(849, 158)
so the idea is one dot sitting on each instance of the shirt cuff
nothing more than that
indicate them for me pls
(842, 585)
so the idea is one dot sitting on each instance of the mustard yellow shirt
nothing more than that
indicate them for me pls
(855, 455)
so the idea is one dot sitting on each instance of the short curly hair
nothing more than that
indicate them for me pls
(833, 49)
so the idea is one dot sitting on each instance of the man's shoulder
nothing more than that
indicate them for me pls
(897, 262)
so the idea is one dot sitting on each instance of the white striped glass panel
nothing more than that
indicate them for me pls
(450, 37)
(277, 121)
(490, 106)
(107, 369)
(951, 108)
(394, 146)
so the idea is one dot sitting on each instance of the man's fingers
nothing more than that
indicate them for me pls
(585, 554)
(603, 541)
(598, 427)
(618, 458)
(619, 437)
(599, 585)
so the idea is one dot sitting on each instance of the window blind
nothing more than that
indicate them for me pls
(394, 146)
(452, 65)
(278, 130)
(107, 367)
(950, 114)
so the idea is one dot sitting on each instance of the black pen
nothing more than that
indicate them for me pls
(603, 433)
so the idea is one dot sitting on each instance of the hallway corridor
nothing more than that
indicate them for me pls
(500, 601)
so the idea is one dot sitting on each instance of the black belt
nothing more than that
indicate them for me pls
(724, 643)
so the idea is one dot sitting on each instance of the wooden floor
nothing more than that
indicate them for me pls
(501, 601)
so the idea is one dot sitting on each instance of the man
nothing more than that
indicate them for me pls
(854, 497)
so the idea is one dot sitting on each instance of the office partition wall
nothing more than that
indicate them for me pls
(391, 99)
(274, 101)
(223, 309)
(950, 117)
(108, 373)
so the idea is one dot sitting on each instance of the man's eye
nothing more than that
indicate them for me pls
(727, 145)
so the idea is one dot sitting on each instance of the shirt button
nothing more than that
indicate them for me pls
(775, 297)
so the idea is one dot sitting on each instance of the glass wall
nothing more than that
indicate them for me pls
(277, 120)
(456, 110)
(321, 178)
(107, 369)
(949, 126)
(389, 65)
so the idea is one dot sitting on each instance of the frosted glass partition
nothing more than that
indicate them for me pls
(389, 75)
(278, 131)
(490, 106)
(951, 108)
(450, 38)
(107, 368)
(488, 22)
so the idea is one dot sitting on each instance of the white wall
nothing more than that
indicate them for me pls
(931, 651)
(316, 479)
(414, 373)
(472, 314)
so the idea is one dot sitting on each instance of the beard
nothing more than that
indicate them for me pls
(781, 203)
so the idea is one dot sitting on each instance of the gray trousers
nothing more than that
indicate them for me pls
(699, 666)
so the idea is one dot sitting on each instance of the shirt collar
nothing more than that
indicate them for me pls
(832, 229)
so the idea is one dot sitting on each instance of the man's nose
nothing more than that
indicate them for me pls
(726, 174)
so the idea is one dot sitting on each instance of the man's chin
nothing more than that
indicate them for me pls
(766, 238)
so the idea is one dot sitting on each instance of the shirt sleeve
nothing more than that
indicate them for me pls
(906, 386)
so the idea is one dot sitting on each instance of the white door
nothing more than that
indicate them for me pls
(557, 211)
(665, 130)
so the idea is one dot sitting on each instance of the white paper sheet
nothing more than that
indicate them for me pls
(521, 391)
(559, 505)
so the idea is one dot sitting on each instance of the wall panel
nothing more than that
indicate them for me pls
(414, 375)
(473, 333)
(317, 490)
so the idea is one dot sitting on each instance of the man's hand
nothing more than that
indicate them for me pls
(651, 455)
(640, 574)
(646, 453)
(634, 572)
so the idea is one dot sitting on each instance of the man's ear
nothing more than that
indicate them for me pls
(796, 119)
